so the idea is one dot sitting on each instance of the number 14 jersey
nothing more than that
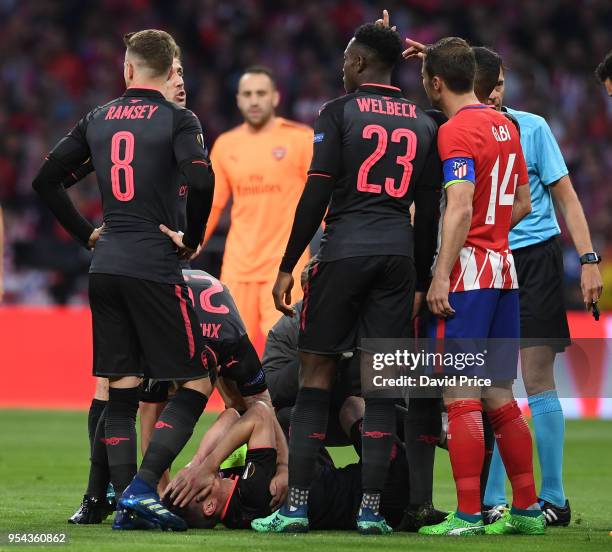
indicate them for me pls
(481, 146)
(376, 147)
(137, 143)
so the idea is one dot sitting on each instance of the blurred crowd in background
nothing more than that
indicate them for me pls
(60, 58)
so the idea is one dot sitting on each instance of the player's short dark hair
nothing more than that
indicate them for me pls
(604, 69)
(192, 515)
(384, 42)
(488, 64)
(156, 48)
(261, 70)
(453, 60)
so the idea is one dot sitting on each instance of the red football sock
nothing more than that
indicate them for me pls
(466, 450)
(515, 447)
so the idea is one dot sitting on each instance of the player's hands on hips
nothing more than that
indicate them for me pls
(95, 236)
(415, 49)
(437, 297)
(279, 486)
(591, 284)
(281, 292)
(185, 253)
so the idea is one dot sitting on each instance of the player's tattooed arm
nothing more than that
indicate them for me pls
(455, 228)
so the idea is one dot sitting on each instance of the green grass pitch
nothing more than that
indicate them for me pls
(43, 467)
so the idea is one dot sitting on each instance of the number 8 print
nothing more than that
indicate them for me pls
(120, 164)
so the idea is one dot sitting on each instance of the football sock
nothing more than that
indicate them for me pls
(549, 426)
(95, 411)
(371, 501)
(379, 423)
(172, 431)
(120, 435)
(355, 435)
(515, 447)
(422, 427)
(495, 492)
(489, 445)
(466, 451)
(306, 435)
(99, 474)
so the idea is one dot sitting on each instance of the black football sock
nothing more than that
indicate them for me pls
(355, 436)
(120, 435)
(489, 443)
(422, 427)
(95, 411)
(307, 433)
(172, 431)
(377, 442)
(99, 474)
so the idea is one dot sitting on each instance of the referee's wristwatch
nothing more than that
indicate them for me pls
(590, 258)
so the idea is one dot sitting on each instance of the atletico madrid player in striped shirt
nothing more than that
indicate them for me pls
(474, 287)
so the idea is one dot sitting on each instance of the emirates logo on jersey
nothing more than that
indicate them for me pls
(279, 153)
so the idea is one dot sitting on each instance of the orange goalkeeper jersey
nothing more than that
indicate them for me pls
(265, 173)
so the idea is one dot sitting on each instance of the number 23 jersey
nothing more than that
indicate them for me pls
(480, 146)
(137, 143)
(375, 147)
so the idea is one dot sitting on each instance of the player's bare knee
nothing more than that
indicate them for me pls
(352, 410)
(125, 382)
(101, 393)
(317, 370)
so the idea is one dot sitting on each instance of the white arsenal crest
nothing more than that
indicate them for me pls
(279, 153)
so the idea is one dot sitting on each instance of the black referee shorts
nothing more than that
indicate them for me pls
(354, 298)
(143, 328)
(539, 269)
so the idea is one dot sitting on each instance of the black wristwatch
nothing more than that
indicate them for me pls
(590, 258)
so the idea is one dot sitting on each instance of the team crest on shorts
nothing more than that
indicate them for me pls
(279, 153)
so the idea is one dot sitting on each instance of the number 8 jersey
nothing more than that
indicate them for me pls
(376, 147)
(481, 146)
(137, 143)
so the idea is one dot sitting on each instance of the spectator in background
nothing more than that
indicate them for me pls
(604, 73)
(549, 46)
(262, 165)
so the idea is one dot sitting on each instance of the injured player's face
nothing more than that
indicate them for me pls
(206, 514)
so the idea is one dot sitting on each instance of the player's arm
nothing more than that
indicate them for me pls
(521, 206)
(214, 435)
(459, 179)
(254, 427)
(222, 189)
(553, 172)
(315, 198)
(192, 158)
(78, 174)
(567, 202)
(426, 202)
(67, 155)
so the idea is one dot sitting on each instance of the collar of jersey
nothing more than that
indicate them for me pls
(384, 89)
(234, 479)
(473, 106)
(147, 92)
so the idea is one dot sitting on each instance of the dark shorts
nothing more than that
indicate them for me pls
(539, 269)
(143, 328)
(354, 298)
